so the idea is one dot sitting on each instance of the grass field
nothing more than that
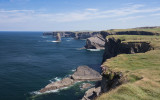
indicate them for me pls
(141, 69)
(153, 30)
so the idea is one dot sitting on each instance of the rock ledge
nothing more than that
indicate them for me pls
(83, 73)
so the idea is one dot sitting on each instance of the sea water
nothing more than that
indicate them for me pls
(29, 61)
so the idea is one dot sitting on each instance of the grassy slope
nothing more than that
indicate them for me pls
(154, 30)
(142, 70)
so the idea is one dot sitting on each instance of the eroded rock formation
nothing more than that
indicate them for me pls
(58, 37)
(97, 41)
(83, 73)
(110, 79)
(76, 34)
(113, 47)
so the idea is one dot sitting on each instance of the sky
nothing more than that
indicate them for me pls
(77, 15)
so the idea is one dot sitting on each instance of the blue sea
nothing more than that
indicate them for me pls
(29, 61)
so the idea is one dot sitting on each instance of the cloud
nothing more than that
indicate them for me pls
(129, 18)
(125, 13)
(91, 9)
(156, 14)
(16, 11)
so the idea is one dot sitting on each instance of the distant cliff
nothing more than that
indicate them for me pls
(76, 34)
(98, 40)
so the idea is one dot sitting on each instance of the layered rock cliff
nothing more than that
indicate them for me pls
(113, 47)
(83, 73)
(97, 41)
(76, 34)
(134, 33)
(111, 79)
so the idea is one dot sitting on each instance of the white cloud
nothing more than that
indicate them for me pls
(91, 9)
(16, 11)
(31, 16)
(129, 18)
(156, 14)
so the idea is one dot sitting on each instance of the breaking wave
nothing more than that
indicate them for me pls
(94, 49)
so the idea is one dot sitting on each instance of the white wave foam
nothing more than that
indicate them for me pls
(39, 93)
(94, 49)
(51, 91)
(58, 78)
(57, 90)
(55, 41)
(73, 70)
(55, 79)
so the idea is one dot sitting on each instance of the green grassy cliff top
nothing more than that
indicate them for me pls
(141, 69)
(154, 30)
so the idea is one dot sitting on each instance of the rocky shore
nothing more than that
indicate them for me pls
(109, 79)
(83, 73)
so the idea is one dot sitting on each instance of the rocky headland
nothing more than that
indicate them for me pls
(97, 41)
(114, 43)
(83, 73)
(75, 35)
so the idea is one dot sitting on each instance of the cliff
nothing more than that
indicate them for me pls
(76, 34)
(98, 40)
(113, 47)
(129, 62)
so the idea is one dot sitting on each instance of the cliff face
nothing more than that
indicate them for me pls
(97, 41)
(113, 47)
(110, 78)
(76, 35)
(135, 33)
(85, 35)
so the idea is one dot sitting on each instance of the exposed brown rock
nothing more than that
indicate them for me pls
(113, 47)
(97, 41)
(86, 73)
(83, 73)
(92, 93)
(58, 84)
(86, 85)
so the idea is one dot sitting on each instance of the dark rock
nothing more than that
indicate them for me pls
(83, 73)
(76, 35)
(97, 41)
(58, 37)
(113, 47)
(92, 93)
(59, 84)
(111, 81)
(135, 33)
(86, 85)
(86, 73)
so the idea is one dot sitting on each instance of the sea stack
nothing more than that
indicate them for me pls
(58, 37)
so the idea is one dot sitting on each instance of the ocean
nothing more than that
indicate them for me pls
(29, 61)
